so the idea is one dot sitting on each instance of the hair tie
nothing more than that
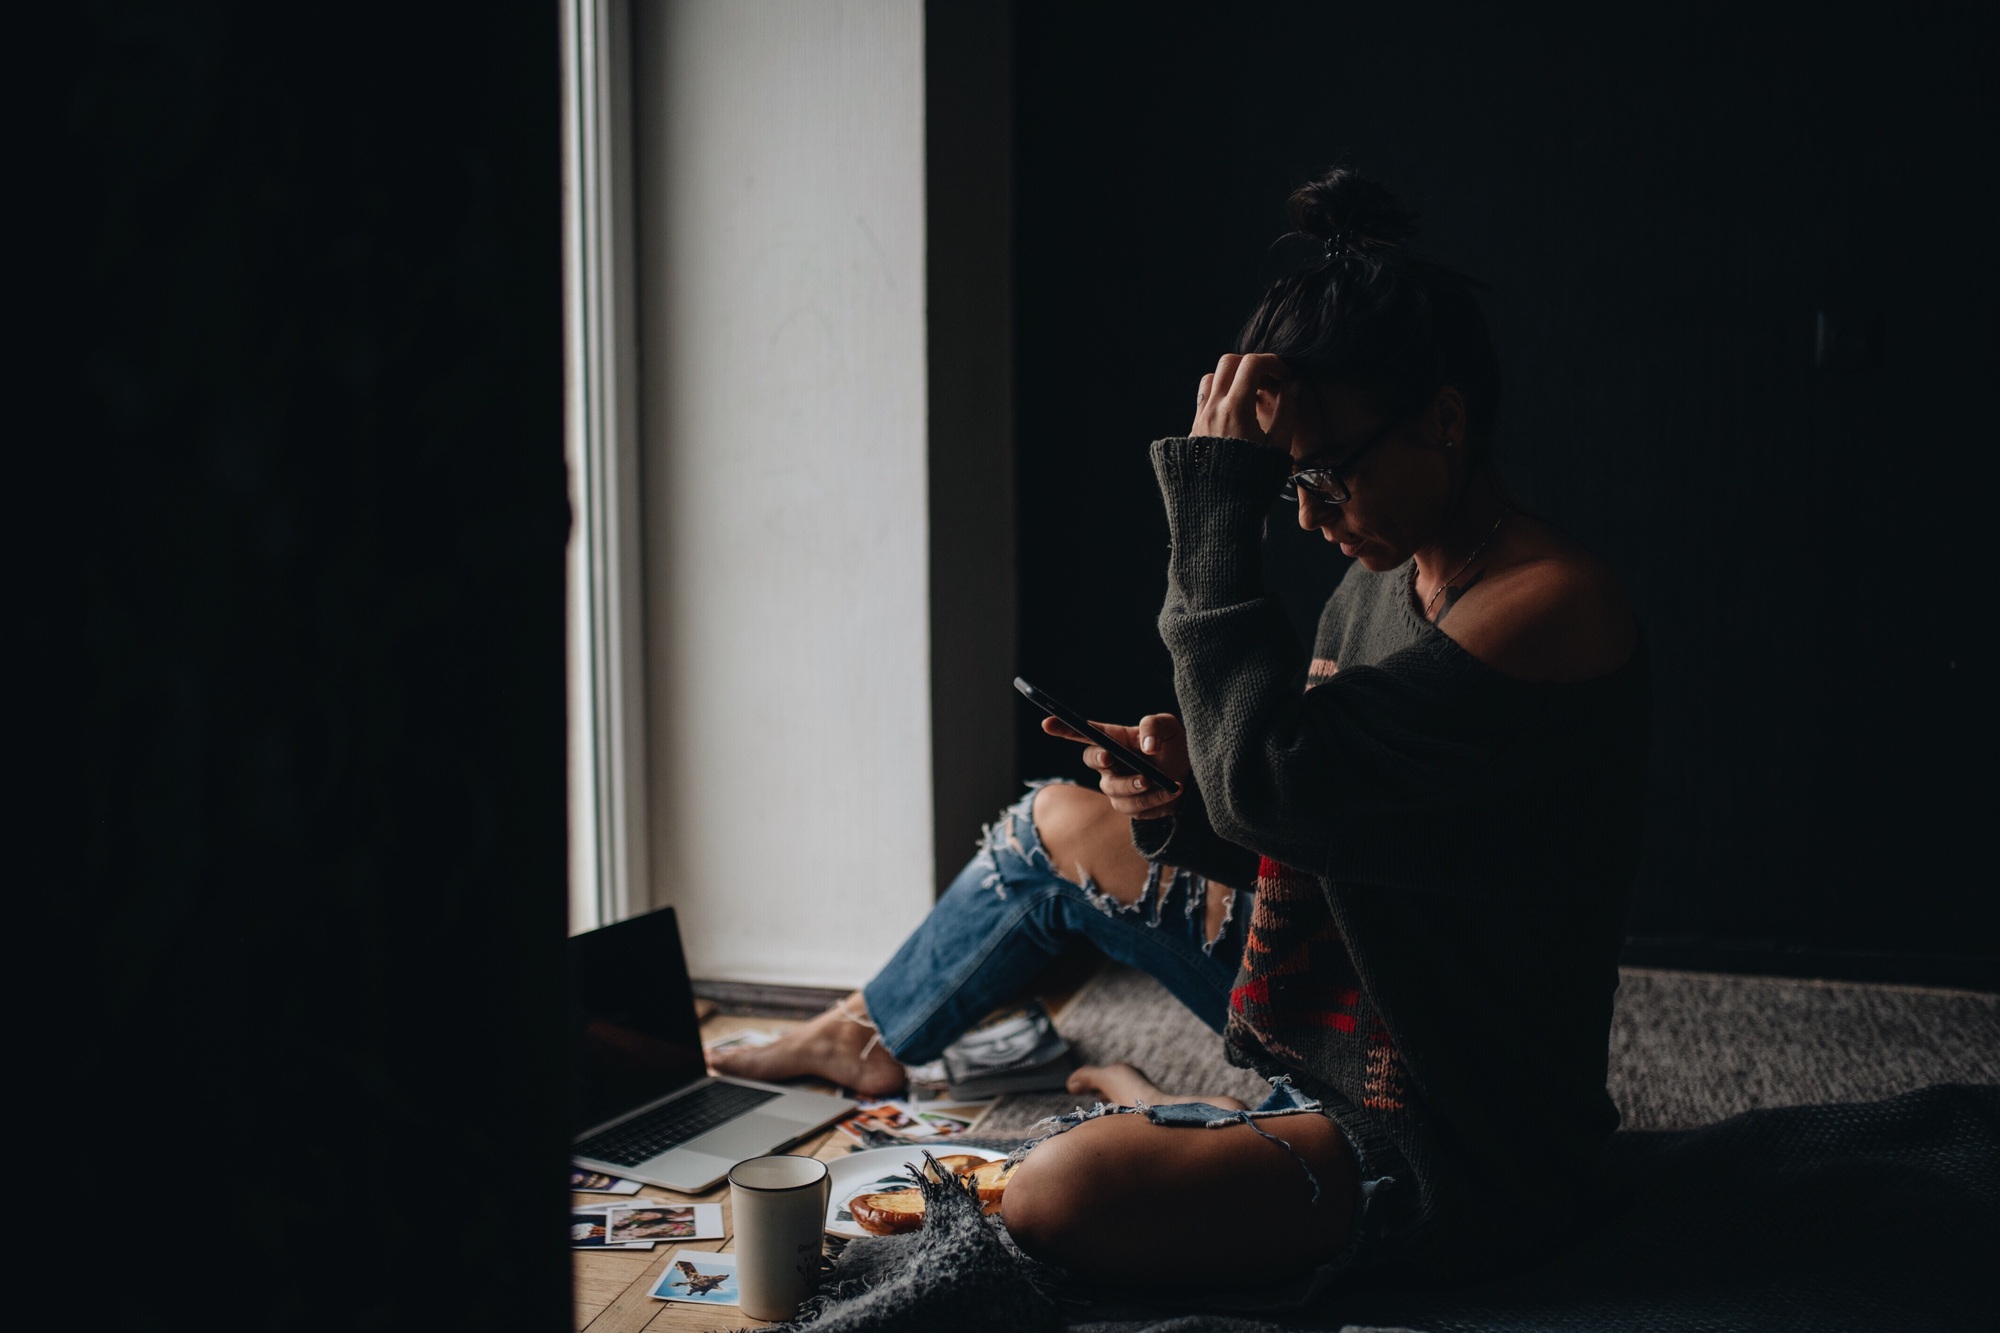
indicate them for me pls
(1341, 245)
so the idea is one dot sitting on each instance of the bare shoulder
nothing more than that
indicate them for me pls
(1556, 613)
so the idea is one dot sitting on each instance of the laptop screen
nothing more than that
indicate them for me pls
(633, 1034)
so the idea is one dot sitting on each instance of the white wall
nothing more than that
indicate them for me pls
(780, 162)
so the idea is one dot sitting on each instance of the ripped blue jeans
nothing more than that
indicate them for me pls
(1011, 910)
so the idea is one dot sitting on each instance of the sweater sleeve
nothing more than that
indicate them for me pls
(1331, 781)
(1186, 838)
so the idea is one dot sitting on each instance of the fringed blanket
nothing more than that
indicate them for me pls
(1867, 1216)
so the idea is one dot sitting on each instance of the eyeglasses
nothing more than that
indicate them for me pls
(1328, 485)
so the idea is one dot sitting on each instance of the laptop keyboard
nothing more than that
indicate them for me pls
(672, 1123)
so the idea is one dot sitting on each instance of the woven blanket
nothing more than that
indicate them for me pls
(1861, 1216)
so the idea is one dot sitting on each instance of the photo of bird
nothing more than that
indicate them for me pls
(697, 1282)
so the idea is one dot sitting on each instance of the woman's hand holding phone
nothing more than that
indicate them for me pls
(1160, 737)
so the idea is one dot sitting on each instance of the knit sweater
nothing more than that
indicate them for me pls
(1443, 859)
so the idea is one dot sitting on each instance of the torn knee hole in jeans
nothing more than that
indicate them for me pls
(1192, 887)
(1156, 891)
(1006, 832)
(1222, 926)
(1196, 888)
(1110, 905)
(1062, 1124)
(992, 878)
(1113, 906)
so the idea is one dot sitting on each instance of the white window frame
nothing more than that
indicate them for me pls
(641, 835)
(609, 877)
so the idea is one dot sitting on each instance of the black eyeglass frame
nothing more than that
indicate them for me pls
(1329, 484)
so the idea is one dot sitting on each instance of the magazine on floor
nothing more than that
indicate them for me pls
(1015, 1050)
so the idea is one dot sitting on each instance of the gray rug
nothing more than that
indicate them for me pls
(1687, 1048)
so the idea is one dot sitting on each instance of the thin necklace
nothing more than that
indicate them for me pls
(1476, 553)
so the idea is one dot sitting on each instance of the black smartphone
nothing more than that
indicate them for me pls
(1077, 722)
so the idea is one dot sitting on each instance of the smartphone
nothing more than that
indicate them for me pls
(1130, 759)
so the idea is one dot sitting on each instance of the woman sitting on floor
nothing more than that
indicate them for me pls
(1433, 843)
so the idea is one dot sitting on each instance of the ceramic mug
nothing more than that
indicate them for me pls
(779, 1203)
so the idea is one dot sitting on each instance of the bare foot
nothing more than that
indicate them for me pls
(828, 1047)
(1120, 1083)
(1125, 1085)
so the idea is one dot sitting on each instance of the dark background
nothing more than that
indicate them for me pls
(293, 440)
(1664, 202)
(288, 505)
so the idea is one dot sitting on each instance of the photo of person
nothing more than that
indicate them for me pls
(590, 1229)
(1001, 1041)
(943, 1124)
(882, 1117)
(676, 1223)
(649, 1222)
(582, 1181)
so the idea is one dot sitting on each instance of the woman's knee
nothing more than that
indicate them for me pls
(1066, 818)
(1112, 1197)
(1043, 1201)
(1052, 1197)
(1085, 838)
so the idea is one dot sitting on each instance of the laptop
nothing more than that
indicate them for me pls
(642, 1102)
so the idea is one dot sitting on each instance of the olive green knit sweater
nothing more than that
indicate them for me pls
(1443, 858)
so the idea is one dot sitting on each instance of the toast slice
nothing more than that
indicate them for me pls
(959, 1164)
(893, 1212)
(991, 1180)
(890, 1213)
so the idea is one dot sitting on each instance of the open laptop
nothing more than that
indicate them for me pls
(642, 1102)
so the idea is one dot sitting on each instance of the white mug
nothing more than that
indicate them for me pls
(779, 1204)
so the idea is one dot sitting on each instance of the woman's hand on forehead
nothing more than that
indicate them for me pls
(1250, 398)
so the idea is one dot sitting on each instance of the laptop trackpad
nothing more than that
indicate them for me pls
(746, 1136)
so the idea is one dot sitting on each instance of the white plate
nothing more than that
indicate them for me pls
(858, 1172)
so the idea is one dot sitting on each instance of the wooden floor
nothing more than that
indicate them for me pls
(610, 1286)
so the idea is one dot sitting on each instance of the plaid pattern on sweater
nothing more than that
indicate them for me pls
(1297, 993)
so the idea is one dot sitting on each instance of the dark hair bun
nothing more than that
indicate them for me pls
(1362, 309)
(1345, 206)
